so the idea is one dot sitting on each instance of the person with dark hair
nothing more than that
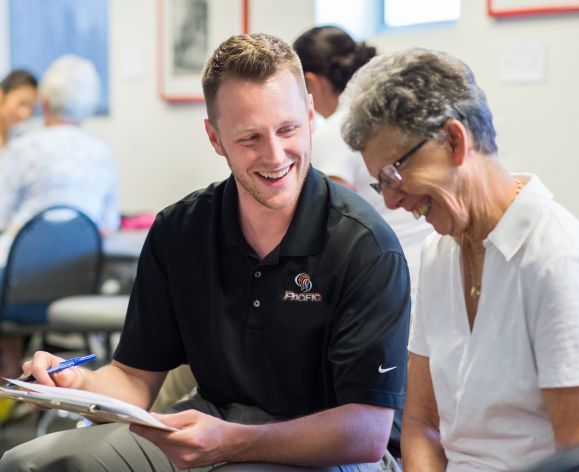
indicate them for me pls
(286, 295)
(330, 57)
(493, 374)
(18, 91)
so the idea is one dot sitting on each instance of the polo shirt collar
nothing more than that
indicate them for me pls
(305, 235)
(521, 217)
(230, 213)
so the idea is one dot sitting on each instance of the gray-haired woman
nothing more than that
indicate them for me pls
(493, 377)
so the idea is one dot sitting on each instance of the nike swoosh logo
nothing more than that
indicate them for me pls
(381, 370)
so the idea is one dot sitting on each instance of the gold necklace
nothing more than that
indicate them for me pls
(474, 286)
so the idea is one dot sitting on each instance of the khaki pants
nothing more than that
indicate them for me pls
(112, 447)
(177, 386)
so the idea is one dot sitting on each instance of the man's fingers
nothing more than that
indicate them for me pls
(179, 420)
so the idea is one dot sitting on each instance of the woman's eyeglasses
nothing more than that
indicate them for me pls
(389, 176)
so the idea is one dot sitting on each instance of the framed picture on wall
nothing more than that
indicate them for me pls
(509, 8)
(189, 31)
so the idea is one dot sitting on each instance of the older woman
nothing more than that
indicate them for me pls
(18, 92)
(494, 362)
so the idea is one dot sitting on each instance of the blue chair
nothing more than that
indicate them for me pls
(56, 254)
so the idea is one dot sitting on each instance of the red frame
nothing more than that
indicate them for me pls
(545, 10)
(160, 58)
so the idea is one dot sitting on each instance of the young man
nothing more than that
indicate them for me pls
(286, 294)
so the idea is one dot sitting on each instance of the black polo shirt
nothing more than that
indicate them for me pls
(309, 327)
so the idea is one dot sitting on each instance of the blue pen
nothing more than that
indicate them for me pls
(63, 365)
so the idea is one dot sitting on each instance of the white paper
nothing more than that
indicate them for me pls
(523, 62)
(103, 403)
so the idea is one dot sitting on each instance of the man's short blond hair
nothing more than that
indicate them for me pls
(253, 57)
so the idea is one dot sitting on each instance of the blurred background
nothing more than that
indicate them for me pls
(527, 64)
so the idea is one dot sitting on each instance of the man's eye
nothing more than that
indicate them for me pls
(288, 130)
(248, 139)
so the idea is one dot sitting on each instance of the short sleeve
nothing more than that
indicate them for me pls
(150, 339)
(368, 350)
(554, 322)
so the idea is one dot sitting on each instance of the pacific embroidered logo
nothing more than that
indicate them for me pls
(304, 282)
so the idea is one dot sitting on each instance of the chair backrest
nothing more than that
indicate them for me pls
(57, 253)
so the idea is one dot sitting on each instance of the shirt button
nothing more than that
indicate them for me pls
(257, 274)
(256, 303)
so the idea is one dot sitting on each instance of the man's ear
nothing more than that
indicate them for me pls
(458, 139)
(213, 136)
(311, 110)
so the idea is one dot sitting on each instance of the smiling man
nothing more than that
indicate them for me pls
(286, 293)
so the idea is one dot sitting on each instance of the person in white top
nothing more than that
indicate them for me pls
(493, 373)
(330, 56)
(60, 164)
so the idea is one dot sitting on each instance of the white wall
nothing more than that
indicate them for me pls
(163, 152)
(285, 19)
(537, 123)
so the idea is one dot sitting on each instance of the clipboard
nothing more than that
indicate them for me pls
(96, 407)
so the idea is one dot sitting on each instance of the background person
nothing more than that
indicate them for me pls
(288, 298)
(59, 164)
(330, 56)
(494, 379)
(18, 92)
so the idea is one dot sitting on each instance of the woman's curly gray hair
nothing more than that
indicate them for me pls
(416, 91)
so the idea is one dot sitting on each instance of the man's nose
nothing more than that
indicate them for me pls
(275, 151)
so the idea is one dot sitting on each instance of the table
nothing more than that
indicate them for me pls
(121, 251)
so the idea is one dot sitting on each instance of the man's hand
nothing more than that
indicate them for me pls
(42, 361)
(347, 434)
(202, 439)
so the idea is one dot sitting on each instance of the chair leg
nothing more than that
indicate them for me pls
(48, 417)
(86, 339)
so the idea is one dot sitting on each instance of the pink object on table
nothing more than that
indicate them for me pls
(140, 221)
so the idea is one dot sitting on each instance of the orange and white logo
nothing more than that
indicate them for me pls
(304, 282)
